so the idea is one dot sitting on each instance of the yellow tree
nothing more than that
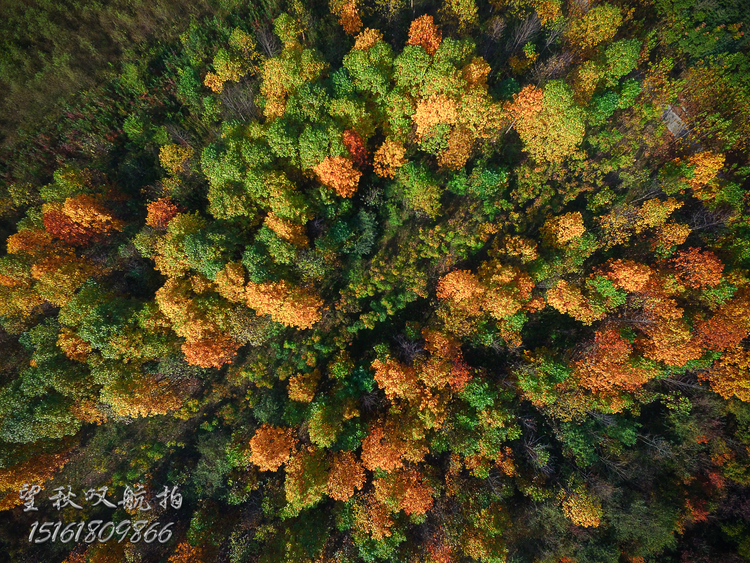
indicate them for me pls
(271, 447)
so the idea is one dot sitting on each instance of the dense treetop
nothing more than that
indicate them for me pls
(381, 281)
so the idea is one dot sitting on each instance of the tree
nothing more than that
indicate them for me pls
(395, 379)
(271, 447)
(596, 26)
(553, 133)
(135, 395)
(211, 352)
(389, 158)
(346, 10)
(581, 508)
(563, 229)
(611, 366)
(285, 304)
(79, 220)
(347, 476)
(339, 174)
(306, 478)
(425, 33)
(697, 269)
(462, 12)
(355, 144)
(730, 375)
(404, 490)
(175, 159)
(161, 212)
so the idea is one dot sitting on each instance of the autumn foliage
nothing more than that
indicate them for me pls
(285, 304)
(339, 174)
(271, 447)
(425, 33)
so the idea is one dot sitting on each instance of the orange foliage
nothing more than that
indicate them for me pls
(186, 553)
(175, 301)
(697, 269)
(654, 212)
(349, 18)
(565, 228)
(142, 396)
(76, 557)
(287, 305)
(34, 471)
(458, 152)
(60, 274)
(29, 241)
(87, 411)
(347, 475)
(547, 10)
(79, 220)
(230, 282)
(608, 366)
(355, 144)
(271, 447)
(72, 345)
(671, 342)
(569, 299)
(629, 275)
(214, 82)
(396, 379)
(373, 517)
(582, 509)
(527, 102)
(339, 174)
(290, 232)
(432, 111)
(211, 352)
(404, 490)
(384, 447)
(719, 333)
(477, 71)
(425, 33)
(388, 158)
(367, 39)
(672, 234)
(161, 212)
(730, 375)
(462, 288)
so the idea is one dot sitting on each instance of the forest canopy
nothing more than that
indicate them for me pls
(427, 282)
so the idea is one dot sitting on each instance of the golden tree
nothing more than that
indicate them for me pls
(404, 490)
(396, 379)
(286, 230)
(174, 158)
(367, 39)
(346, 10)
(347, 476)
(339, 174)
(564, 228)
(432, 111)
(697, 269)
(388, 158)
(213, 351)
(271, 447)
(730, 375)
(285, 304)
(581, 508)
(425, 33)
